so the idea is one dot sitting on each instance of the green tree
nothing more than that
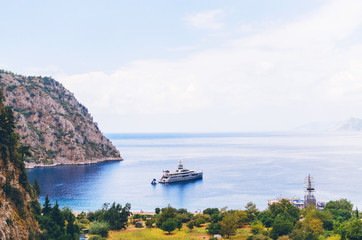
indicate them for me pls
(24, 151)
(166, 213)
(178, 224)
(257, 227)
(190, 225)
(57, 216)
(282, 225)
(157, 210)
(340, 209)
(285, 208)
(36, 187)
(214, 228)
(266, 218)
(47, 206)
(116, 216)
(211, 211)
(353, 229)
(169, 225)
(99, 228)
(229, 224)
(149, 223)
(251, 211)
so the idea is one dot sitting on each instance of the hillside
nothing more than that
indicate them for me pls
(17, 196)
(350, 125)
(58, 128)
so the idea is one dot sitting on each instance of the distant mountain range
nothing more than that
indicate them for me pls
(350, 125)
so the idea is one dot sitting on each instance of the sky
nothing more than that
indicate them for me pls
(193, 66)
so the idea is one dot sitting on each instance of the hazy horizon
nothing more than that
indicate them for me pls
(195, 67)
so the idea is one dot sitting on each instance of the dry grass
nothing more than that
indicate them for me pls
(133, 233)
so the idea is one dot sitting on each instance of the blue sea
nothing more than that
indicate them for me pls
(238, 168)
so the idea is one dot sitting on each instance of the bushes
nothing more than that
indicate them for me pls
(169, 225)
(96, 237)
(99, 228)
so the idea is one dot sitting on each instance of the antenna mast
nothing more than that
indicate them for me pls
(309, 198)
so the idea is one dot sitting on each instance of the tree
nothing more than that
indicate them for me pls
(178, 224)
(214, 228)
(285, 208)
(340, 209)
(72, 230)
(190, 226)
(149, 223)
(47, 206)
(157, 210)
(251, 211)
(99, 228)
(257, 227)
(36, 187)
(169, 225)
(357, 213)
(116, 216)
(24, 150)
(353, 229)
(57, 216)
(266, 218)
(282, 226)
(166, 213)
(211, 211)
(229, 224)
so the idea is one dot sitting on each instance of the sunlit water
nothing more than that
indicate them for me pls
(238, 168)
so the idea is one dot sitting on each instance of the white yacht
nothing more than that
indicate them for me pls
(180, 175)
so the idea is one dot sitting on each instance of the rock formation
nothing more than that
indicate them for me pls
(53, 123)
(17, 197)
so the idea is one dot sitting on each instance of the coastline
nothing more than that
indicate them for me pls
(68, 162)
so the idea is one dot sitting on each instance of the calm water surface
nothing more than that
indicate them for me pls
(237, 168)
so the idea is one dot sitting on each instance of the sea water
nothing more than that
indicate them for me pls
(238, 168)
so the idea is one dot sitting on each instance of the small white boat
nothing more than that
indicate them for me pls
(180, 175)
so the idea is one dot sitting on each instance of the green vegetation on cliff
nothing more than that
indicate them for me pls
(17, 196)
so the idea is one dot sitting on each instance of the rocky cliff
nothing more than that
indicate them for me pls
(17, 197)
(53, 123)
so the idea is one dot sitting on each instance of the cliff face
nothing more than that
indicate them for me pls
(56, 126)
(17, 197)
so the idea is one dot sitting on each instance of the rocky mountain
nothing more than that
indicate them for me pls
(315, 127)
(17, 197)
(53, 123)
(350, 125)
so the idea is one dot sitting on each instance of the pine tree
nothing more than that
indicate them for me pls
(36, 187)
(357, 213)
(57, 216)
(47, 206)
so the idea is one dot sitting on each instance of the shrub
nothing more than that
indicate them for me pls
(149, 223)
(84, 221)
(169, 225)
(99, 228)
(199, 221)
(190, 225)
(96, 237)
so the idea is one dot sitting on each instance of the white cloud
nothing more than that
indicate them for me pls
(205, 20)
(292, 73)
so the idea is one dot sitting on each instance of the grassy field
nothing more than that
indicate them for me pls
(156, 233)
(133, 233)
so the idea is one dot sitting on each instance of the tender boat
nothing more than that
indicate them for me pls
(180, 175)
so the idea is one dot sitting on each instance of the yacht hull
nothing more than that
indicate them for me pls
(184, 178)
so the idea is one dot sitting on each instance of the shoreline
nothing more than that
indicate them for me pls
(86, 162)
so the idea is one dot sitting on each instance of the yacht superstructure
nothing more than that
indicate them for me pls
(180, 174)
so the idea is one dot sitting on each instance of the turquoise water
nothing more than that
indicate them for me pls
(238, 168)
